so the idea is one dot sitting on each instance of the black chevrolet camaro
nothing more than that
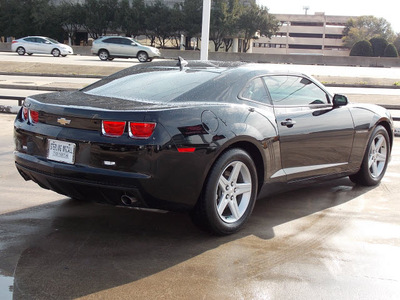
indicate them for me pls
(206, 138)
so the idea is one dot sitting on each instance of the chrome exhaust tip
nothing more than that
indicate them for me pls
(128, 200)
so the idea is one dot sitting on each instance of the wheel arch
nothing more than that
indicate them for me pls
(255, 154)
(389, 130)
(103, 49)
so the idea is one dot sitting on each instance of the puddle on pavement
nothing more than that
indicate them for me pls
(6, 287)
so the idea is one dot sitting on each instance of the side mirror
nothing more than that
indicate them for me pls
(339, 100)
(134, 44)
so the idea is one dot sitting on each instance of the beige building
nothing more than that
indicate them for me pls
(317, 34)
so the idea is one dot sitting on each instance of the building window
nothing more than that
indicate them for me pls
(314, 24)
(333, 36)
(297, 46)
(306, 35)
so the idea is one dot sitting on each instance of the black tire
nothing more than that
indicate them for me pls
(111, 58)
(21, 50)
(142, 56)
(55, 52)
(227, 199)
(63, 55)
(376, 158)
(104, 55)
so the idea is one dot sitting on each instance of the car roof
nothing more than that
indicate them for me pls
(240, 68)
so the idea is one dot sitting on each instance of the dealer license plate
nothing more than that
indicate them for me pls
(61, 151)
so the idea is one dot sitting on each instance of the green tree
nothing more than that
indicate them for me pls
(365, 28)
(378, 46)
(224, 22)
(390, 51)
(73, 17)
(159, 24)
(131, 17)
(100, 16)
(30, 17)
(192, 11)
(255, 19)
(396, 42)
(362, 48)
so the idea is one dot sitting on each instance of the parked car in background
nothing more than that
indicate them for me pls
(208, 138)
(40, 45)
(110, 47)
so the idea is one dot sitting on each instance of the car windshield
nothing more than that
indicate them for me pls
(161, 86)
(135, 41)
(53, 41)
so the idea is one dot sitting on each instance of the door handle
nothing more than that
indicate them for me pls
(288, 123)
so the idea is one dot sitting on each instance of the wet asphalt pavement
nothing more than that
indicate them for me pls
(332, 240)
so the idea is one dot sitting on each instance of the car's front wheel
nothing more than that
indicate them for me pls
(375, 160)
(142, 56)
(55, 52)
(21, 50)
(104, 55)
(229, 194)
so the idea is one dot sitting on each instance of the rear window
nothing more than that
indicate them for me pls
(160, 86)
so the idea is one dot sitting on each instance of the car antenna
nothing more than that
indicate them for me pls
(181, 63)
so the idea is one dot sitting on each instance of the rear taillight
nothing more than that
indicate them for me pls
(13, 42)
(141, 130)
(24, 114)
(33, 116)
(113, 128)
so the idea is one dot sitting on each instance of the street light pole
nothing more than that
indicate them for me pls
(205, 30)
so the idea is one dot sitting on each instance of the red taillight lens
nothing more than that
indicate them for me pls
(113, 128)
(24, 113)
(13, 42)
(141, 130)
(33, 116)
(186, 150)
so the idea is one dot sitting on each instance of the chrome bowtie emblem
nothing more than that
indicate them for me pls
(63, 121)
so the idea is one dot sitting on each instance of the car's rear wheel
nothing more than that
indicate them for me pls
(375, 160)
(142, 56)
(104, 55)
(55, 52)
(21, 50)
(229, 194)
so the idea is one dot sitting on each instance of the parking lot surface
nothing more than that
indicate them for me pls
(332, 240)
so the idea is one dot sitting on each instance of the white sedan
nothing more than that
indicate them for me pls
(40, 44)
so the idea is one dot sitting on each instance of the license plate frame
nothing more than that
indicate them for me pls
(61, 151)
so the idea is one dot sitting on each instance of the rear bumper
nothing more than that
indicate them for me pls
(81, 182)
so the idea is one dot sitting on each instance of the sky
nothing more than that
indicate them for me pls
(388, 9)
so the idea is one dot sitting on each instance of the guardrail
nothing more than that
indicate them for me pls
(14, 98)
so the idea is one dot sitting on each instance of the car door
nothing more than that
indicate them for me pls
(127, 47)
(42, 45)
(315, 138)
(113, 46)
(30, 45)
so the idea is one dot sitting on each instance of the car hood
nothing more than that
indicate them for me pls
(379, 110)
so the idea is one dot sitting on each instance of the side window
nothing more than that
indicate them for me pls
(31, 40)
(125, 42)
(40, 40)
(255, 90)
(111, 41)
(294, 90)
